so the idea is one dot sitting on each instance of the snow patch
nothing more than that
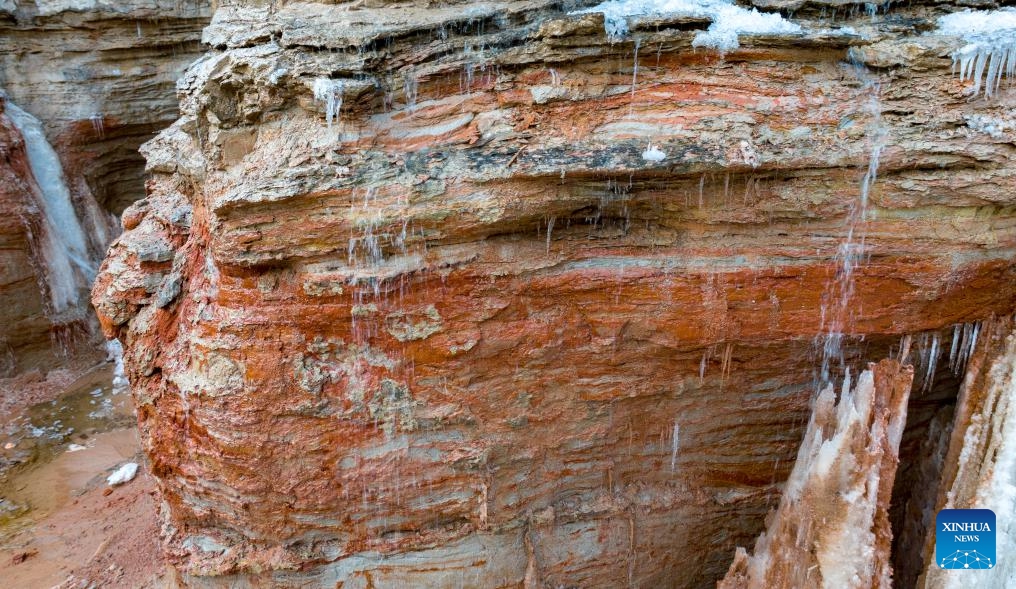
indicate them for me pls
(653, 154)
(124, 474)
(990, 52)
(729, 20)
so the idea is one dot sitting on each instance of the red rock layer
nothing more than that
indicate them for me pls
(467, 336)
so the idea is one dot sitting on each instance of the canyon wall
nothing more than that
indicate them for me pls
(22, 291)
(99, 77)
(453, 294)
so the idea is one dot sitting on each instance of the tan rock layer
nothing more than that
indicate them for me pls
(467, 335)
(100, 77)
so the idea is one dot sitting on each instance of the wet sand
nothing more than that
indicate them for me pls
(62, 526)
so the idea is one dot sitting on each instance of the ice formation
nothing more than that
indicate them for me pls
(98, 124)
(653, 154)
(985, 475)
(990, 52)
(674, 445)
(124, 474)
(114, 353)
(330, 92)
(831, 528)
(994, 127)
(729, 20)
(64, 243)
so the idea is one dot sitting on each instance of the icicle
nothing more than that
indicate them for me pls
(954, 349)
(973, 343)
(988, 55)
(728, 350)
(98, 124)
(930, 363)
(330, 92)
(674, 446)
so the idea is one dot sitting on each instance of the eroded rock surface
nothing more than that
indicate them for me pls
(100, 77)
(408, 303)
(27, 329)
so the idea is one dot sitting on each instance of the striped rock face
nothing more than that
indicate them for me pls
(97, 80)
(446, 294)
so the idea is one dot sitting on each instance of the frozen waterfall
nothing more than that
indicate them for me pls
(64, 244)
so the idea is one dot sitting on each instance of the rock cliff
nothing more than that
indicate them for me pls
(99, 79)
(448, 294)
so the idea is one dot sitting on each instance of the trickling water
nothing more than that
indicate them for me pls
(68, 267)
(410, 88)
(97, 124)
(366, 250)
(836, 304)
(635, 69)
(674, 446)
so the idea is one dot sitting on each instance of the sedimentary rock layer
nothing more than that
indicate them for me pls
(20, 274)
(412, 300)
(100, 77)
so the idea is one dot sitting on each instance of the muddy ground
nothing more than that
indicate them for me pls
(61, 525)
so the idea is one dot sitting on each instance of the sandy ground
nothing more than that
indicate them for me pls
(80, 532)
